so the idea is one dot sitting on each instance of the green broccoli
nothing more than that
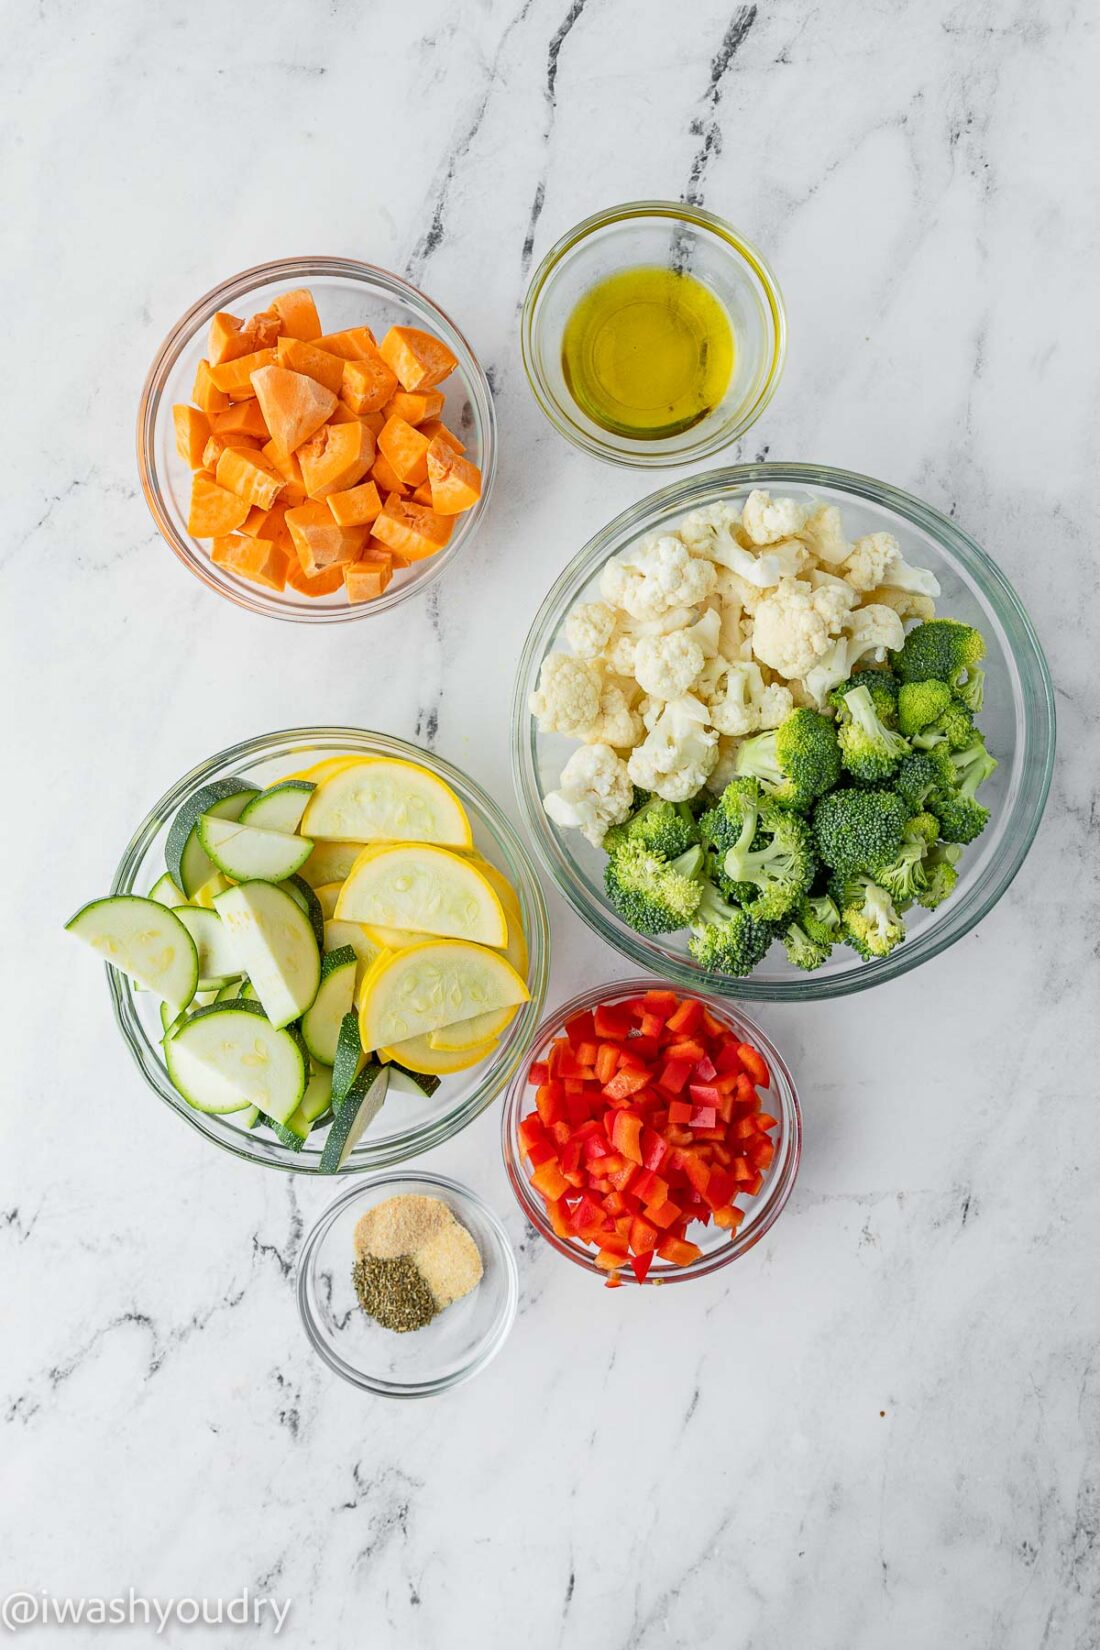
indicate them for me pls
(722, 825)
(665, 828)
(904, 877)
(882, 685)
(811, 932)
(653, 895)
(923, 773)
(962, 817)
(868, 748)
(795, 762)
(950, 652)
(781, 869)
(920, 703)
(954, 727)
(940, 874)
(856, 830)
(868, 916)
(724, 938)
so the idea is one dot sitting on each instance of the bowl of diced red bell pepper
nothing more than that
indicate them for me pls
(654, 1136)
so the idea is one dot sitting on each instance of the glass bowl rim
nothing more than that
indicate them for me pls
(1037, 728)
(742, 249)
(786, 1094)
(487, 1350)
(168, 353)
(437, 1130)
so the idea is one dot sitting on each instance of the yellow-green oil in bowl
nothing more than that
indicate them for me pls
(648, 352)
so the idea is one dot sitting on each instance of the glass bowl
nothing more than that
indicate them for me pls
(657, 233)
(407, 1124)
(456, 1345)
(719, 1247)
(1018, 721)
(348, 294)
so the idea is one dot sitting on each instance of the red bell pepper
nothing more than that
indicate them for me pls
(581, 1028)
(624, 1084)
(640, 1264)
(613, 1020)
(626, 1135)
(539, 1074)
(755, 1064)
(549, 1180)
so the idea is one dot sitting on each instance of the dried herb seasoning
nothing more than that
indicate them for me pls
(393, 1292)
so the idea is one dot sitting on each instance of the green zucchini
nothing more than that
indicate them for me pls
(145, 941)
(229, 1056)
(247, 853)
(272, 941)
(335, 996)
(188, 864)
(354, 1115)
(280, 807)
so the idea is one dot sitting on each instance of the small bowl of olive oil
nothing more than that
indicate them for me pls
(653, 334)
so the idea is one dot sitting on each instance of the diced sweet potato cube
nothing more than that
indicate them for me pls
(250, 476)
(375, 422)
(224, 340)
(434, 430)
(218, 444)
(337, 457)
(242, 418)
(315, 363)
(353, 344)
(261, 560)
(455, 482)
(405, 450)
(319, 540)
(287, 465)
(368, 383)
(383, 473)
(412, 531)
(419, 360)
(423, 494)
(357, 506)
(269, 524)
(317, 584)
(292, 404)
(366, 579)
(214, 510)
(192, 434)
(298, 314)
(235, 377)
(206, 395)
(414, 406)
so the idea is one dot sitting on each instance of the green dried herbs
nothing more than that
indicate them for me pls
(413, 1260)
(393, 1292)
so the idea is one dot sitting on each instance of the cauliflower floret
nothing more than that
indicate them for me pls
(834, 599)
(589, 628)
(596, 792)
(877, 559)
(619, 654)
(666, 666)
(776, 704)
(678, 753)
(766, 520)
(568, 695)
(823, 535)
(790, 632)
(707, 630)
(617, 723)
(733, 691)
(738, 592)
(721, 541)
(906, 603)
(699, 529)
(869, 630)
(655, 575)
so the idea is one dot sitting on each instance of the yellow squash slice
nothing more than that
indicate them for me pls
(427, 889)
(408, 993)
(417, 1054)
(387, 801)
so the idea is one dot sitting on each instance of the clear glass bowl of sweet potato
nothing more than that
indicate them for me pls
(316, 439)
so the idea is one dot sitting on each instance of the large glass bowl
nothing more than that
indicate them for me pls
(719, 1247)
(348, 294)
(407, 1124)
(1017, 720)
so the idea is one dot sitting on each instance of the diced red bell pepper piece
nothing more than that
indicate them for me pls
(613, 1281)
(615, 1242)
(680, 1112)
(581, 1028)
(704, 1117)
(742, 1171)
(664, 1003)
(539, 1073)
(561, 1132)
(623, 1176)
(543, 1151)
(755, 1064)
(655, 1148)
(761, 1153)
(609, 1260)
(640, 1264)
(751, 1187)
(549, 1100)
(676, 1135)
(714, 1027)
(571, 1156)
(626, 1135)
(663, 1215)
(704, 1094)
(721, 1188)
(651, 1188)
(674, 1075)
(728, 1217)
(687, 1017)
(549, 1181)
(532, 1129)
(652, 1025)
(697, 1171)
(679, 1251)
(689, 1049)
(624, 1084)
(746, 1092)
(586, 1052)
(607, 1062)
(728, 1060)
(705, 1070)
(766, 1122)
(553, 1058)
(613, 1020)
(643, 1235)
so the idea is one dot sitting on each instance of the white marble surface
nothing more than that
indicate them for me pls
(880, 1430)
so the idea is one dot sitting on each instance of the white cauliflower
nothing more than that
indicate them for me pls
(619, 654)
(877, 559)
(793, 627)
(713, 534)
(906, 603)
(707, 631)
(678, 752)
(869, 630)
(834, 598)
(617, 723)
(725, 768)
(823, 535)
(700, 529)
(595, 793)
(568, 695)
(737, 592)
(733, 692)
(589, 628)
(666, 666)
(776, 704)
(655, 575)
(766, 520)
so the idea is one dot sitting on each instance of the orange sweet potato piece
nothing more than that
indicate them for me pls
(214, 510)
(414, 406)
(317, 584)
(242, 418)
(418, 360)
(423, 494)
(368, 383)
(375, 422)
(287, 465)
(357, 506)
(315, 363)
(337, 457)
(298, 314)
(261, 560)
(388, 481)
(320, 541)
(434, 430)
(224, 341)
(292, 404)
(250, 476)
(192, 434)
(412, 531)
(269, 524)
(367, 578)
(405, 450)
(205, 394)
(218, 444)
(235, 377)
(455, 482)
(353, 344)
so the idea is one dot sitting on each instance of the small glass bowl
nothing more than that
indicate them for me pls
(409, 1124)
(657, 233)
(1017, 720)
(451, 1349)
(719, 1246)
(348, 294)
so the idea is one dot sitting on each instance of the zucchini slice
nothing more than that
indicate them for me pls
(302, 894)
(272, 941)
(280, 807)
(349, 1058)
(229, 1056)
(145, 941)
(314, 1104)
(165, 892)
(217, 965)
(356, 1112)
(187, 863)
(247, 853)
(335, 998)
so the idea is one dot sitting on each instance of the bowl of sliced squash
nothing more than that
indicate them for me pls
(316, 439)
(327, 950)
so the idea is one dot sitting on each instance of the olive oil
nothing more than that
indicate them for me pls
(648, 352)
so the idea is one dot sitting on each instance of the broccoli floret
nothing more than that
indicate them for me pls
(920, 703)
(882, 685)
(665, 828)
(904, 877)
(940, 874)
(954, 727)
(724, 938)
(795, 762)
(950, 652)
(781, 869)
(868, 917)
(868, 748)
(653, 895)
(811, 932)
(962, 817)
(921, 774)
(722, 825)
(856, 830)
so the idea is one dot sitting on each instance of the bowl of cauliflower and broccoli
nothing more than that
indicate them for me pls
(783, 731)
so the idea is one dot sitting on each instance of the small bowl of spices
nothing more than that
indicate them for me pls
(653, 333)
(407, 1285)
